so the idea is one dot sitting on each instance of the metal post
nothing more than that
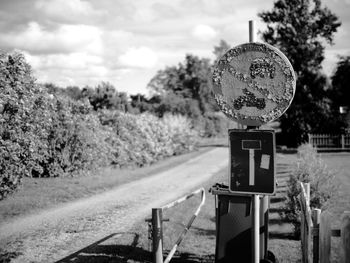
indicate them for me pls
(265, 214)
(256, 201)
(157, 235)
(256, 228)
(252, 34)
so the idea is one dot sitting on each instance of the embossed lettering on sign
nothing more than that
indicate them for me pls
(253, 83)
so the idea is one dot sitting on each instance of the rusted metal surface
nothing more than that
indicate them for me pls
(253, 83)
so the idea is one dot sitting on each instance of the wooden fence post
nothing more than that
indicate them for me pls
(309, 224)
(307, 190)
(302, 235)
(306, 222)
(345, 236)
(325, 237)
(316, 217)
(302, 221)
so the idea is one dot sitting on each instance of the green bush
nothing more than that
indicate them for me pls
(143, 139)
(309, 168)
(42, 135)
(212, 124)
(46, 135)
(183, 137)
(18, 138)
(75, 142)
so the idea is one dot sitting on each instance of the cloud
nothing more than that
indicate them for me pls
(204, 32)
(65, 39)
(208, 7)
(68, 11)
(165, 11)
(332, 57)
(69, 69)
(125, 42)
(142, 57)
(73, 61)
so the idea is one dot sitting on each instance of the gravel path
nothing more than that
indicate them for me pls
(56, 233)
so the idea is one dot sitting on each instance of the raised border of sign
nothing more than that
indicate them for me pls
(283, 101)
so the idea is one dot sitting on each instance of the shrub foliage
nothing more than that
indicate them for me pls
(309, 168)
(18, 137)
(51, 135)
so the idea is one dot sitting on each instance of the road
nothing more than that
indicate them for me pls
(56, 233)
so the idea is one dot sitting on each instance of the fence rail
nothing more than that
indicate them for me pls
(156, 227)
(316, 231)
(330, 141)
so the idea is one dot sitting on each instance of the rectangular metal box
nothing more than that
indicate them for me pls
(234, 227)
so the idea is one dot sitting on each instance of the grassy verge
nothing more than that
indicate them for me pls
(197, 246)
(340, 203)
(40, 193)
(199, 243)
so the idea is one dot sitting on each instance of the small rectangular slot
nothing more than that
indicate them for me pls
(251, 144)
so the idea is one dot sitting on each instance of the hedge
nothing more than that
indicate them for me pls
(45, 135)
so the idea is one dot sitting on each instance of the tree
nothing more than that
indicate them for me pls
(73, 92)
(221, 49)
(139, 103)
(300, 28)
(340, 92)
(52, 88)
(105, 96)
(187, 83)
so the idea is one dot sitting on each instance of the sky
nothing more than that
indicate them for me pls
(125, 42)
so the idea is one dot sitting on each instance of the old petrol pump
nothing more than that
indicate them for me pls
(253, 84)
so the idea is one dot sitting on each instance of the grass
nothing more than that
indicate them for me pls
(197, 246)
(340, 203)
(133, 246)
(40, 193)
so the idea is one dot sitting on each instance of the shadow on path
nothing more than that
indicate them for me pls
(6, 257)
(191, 258)
(101, 252)
(277, 235)
(280, 228)
(112, 249)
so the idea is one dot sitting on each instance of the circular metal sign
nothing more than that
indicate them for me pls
(253, 83)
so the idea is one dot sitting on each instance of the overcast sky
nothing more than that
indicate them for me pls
(125, 42)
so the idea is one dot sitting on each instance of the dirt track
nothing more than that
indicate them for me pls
(56, 233)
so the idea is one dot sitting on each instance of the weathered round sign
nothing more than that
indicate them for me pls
(253, 83)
